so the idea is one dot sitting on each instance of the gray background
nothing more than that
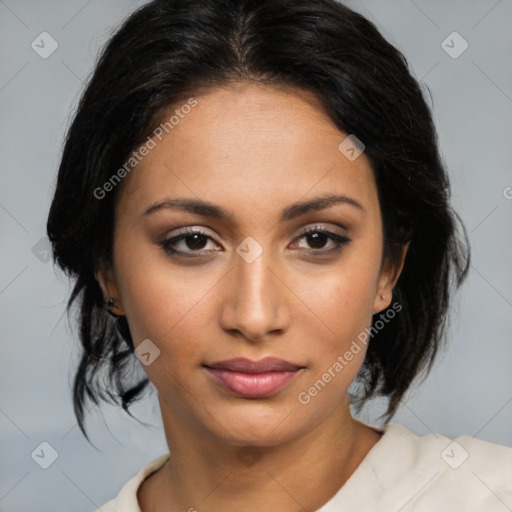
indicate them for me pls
(470, 389)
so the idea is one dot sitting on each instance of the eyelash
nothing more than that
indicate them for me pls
(340, 241)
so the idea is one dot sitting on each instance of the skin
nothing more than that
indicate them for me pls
(252, 150)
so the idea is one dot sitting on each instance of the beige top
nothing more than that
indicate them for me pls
(403, 472)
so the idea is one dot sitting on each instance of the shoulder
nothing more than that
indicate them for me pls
(455, 453)
(126, 500)
(463, 472)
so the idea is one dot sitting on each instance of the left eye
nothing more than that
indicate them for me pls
(317, 238)
(195, 240)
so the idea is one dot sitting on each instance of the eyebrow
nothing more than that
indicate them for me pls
(207, 209)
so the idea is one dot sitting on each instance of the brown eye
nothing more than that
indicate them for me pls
(192, 241)
(317, 238)
(196, 241)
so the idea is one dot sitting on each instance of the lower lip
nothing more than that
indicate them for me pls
(252, 385)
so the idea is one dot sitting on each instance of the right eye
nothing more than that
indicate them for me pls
(193, 239)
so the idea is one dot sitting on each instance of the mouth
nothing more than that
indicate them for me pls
(253, 379)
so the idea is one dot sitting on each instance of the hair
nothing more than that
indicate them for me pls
(168, 49)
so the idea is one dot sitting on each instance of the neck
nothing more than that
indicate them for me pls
(206, 473)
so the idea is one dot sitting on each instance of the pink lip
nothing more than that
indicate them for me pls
(253, 379)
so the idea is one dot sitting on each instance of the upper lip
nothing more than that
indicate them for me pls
(267, 364)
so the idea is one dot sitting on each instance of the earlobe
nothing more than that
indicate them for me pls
(382, 301)
(106, 281)
(388, 277)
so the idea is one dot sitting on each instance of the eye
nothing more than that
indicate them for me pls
(193, 239)
(193, 242)
(317, 237)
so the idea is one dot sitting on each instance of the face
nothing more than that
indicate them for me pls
(256, 273)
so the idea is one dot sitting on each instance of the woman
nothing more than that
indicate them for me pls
(252, 202)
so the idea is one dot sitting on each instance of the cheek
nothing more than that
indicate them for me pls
(343, 307)
(160, 303)
(152, 298)
(171, 311)
(344, 300)
(167, 303)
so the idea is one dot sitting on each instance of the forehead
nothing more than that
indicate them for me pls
(249, 143)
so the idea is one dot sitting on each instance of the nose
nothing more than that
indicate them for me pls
(254, 304)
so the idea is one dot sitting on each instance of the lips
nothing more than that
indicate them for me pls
(267, 364)
(253, 379)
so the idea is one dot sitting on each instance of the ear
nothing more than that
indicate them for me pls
(389, 274)
(105, 277)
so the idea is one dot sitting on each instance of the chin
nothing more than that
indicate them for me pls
(259, 424)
